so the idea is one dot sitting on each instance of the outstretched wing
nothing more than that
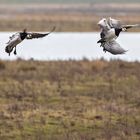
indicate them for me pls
(13, 42)
(114, 23)
(130, 26)
(38, 35)
(113, 47)
(13, 38)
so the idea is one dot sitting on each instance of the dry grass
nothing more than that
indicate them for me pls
(82, 18)
(69, 100)
(63, 23)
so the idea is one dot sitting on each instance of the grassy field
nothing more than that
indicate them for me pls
(69, 100)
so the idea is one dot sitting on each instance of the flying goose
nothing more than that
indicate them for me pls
(20, 36)
(110, 31)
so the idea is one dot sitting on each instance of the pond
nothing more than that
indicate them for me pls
(64, 46)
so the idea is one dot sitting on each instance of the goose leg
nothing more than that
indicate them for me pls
(104, 50)
(15, 51)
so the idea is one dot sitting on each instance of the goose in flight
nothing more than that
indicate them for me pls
(110, 31)
(20, 36)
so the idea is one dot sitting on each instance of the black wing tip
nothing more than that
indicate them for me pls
(53, 29)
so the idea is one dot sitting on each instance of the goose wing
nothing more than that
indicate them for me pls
(38, 35)
(114, 23)
(14, 37)
(113, 47)
(130, 26)
(13, 42)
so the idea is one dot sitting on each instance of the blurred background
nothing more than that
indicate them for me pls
(63, 86)
(67, 15)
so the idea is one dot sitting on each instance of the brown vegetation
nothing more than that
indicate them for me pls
(68, 100)
(65, 17)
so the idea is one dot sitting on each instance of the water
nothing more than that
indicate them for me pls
(64, 46)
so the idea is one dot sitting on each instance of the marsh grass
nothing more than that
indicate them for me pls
(69, 100)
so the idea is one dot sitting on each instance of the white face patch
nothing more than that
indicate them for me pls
(123, 29)
(29, 36)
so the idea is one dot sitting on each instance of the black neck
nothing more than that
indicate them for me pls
(117, 31)
(23, 35)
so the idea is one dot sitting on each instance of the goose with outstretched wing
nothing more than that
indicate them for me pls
(19, 37)
(110, 31)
